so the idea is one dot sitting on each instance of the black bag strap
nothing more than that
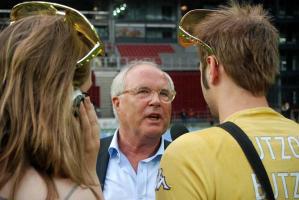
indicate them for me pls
(251, 154)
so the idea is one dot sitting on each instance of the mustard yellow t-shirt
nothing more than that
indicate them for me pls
(210, 164)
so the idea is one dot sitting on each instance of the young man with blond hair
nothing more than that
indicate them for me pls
(238, 50)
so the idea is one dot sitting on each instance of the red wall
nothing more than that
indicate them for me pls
(189, 94)
(95, 92)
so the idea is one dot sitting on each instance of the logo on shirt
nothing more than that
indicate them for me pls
(161, 181)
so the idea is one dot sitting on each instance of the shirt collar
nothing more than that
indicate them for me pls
(115, 151)
(158, 153)
(250, 112)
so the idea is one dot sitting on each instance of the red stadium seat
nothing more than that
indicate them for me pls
(144, 51)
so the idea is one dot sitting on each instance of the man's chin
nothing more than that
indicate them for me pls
(155, 131)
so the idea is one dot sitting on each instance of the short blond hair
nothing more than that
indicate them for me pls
(245, 42)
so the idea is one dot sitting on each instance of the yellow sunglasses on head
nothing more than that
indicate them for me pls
(186, 34)
(79, 21)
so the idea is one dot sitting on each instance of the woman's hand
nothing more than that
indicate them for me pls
(91, 130)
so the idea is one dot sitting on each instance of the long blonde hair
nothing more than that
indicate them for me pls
(38, 56)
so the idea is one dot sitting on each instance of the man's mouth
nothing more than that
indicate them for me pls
(154, 116)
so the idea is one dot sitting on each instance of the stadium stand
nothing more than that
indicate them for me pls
(143, 51)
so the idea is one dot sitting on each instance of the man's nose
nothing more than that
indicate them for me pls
(155, 98)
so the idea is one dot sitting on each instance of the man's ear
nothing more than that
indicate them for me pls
(115, 102)
(213, 70)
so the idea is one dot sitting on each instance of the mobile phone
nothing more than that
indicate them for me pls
(78, 97)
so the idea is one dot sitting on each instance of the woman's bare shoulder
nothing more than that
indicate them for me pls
(34, 187)
(67, 188)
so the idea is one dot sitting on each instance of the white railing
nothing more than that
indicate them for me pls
(115, 63)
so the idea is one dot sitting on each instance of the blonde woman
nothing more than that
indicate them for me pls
(46, 152)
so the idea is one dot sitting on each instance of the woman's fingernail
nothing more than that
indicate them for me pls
(88, 99)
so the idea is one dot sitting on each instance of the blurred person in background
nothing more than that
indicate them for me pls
(286, 109)
(238, 51)
(128, 161)
(45, 151)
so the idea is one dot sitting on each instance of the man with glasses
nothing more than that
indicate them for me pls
(238, 49)
(128, 162)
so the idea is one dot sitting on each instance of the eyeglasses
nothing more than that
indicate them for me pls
(78, 20)
(165, 95)
(186, 34)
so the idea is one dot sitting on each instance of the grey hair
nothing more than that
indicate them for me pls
(118, 84)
